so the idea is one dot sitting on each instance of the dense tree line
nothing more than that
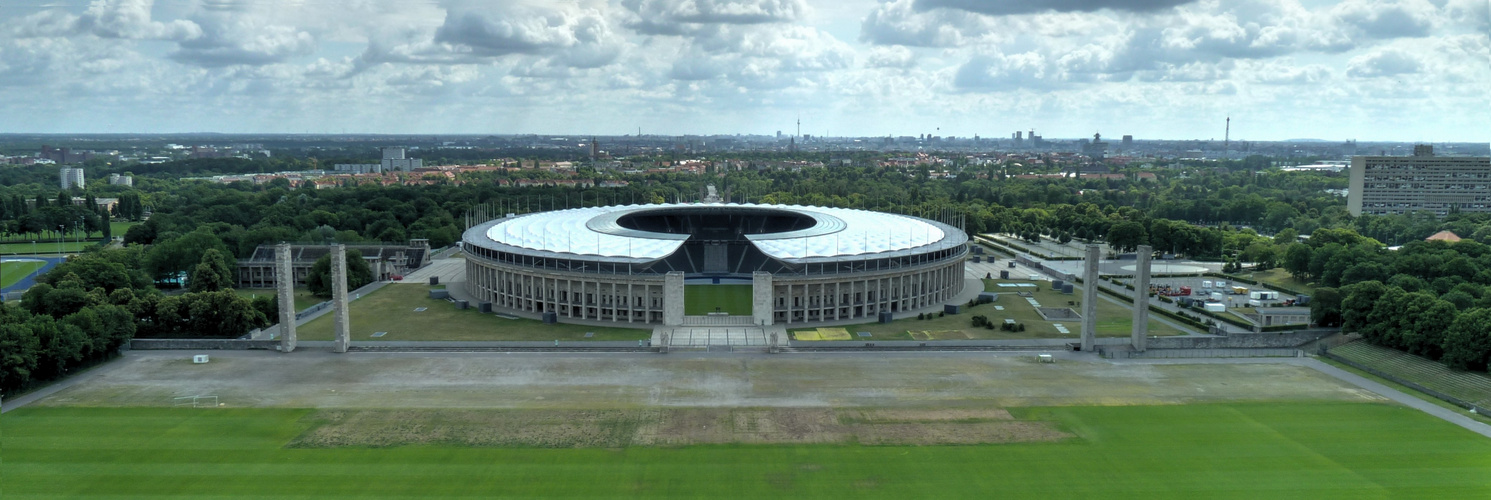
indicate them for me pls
(1427, 298)
(84, 309)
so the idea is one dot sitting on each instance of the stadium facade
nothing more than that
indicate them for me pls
(629, 264)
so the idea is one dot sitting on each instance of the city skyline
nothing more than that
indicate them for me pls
(1411, 71)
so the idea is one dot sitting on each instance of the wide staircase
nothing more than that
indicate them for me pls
(720, 320)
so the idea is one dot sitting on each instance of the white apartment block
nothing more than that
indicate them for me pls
(1382, 185)
(72, 177)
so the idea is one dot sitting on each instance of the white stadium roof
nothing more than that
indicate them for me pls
(839, 232)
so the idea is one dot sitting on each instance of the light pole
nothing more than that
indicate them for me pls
(60, 228)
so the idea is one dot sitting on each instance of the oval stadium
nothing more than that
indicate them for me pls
(754, 264)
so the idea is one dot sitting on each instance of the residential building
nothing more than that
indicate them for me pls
(72, 177)
(1382, 185)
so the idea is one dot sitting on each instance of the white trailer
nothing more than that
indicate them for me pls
(1216, 307)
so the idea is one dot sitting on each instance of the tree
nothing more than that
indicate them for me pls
(94, 270)
(19, 348)
(175, 257)
(213, 273)
(318, 279)
(1296, 260)
(222, 314)
(1467, 344)
(1126, 236)
(1325, 307)
(1357, 303)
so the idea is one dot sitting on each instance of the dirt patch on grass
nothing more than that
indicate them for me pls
(937, 415)
(667, 427)
(518, 428)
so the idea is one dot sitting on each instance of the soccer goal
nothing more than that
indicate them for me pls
(196, 402)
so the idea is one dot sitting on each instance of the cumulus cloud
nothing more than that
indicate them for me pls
(899, 22)
(235, 40)
(1285, 72)
(131, 19)
(890, 57)
(1382, 63)
(472, 34)
(673, 17)
(121, 19)
(1383, 20)
(1008, 7)
(999, 72)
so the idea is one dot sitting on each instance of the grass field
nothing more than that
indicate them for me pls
(43, 247)
(1281, 278)
(392, 309)
(699, 300)
(11, 272)
(303, 297)
(1243, 450)
(1113, 320)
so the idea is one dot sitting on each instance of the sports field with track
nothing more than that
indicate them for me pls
(14, 271)
(1237, 450)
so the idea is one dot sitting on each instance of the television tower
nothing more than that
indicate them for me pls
(1227, 140)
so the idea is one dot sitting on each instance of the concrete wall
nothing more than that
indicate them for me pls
(1241, 340)
(1276, 352)
(201, 344)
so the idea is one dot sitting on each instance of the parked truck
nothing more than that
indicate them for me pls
(1239, 290)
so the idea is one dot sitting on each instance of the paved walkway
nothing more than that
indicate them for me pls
(72, 380)
(446, 269)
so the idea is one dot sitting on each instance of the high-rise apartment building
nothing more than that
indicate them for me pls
(1382, 185)
(394, 161)
(72, 177)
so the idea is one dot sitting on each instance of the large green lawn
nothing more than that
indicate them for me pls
(1279, 277)
(392, 309)
(699, 300)
(1113, 320)
(12, 271)
(1245, 451)
(44, 247)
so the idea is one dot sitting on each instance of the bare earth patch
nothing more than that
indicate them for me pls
(667, 427)
(884, 381)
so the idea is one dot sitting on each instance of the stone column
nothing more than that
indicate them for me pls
(761, 294)
(284, 282)
(673, 298)
(1140, 332)
(340, 324)
(1090, 297)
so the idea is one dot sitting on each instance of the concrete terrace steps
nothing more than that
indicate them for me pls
(930, 346)
(357, 348)
(718, 321)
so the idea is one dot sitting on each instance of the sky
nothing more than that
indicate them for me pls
(1402, 70)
